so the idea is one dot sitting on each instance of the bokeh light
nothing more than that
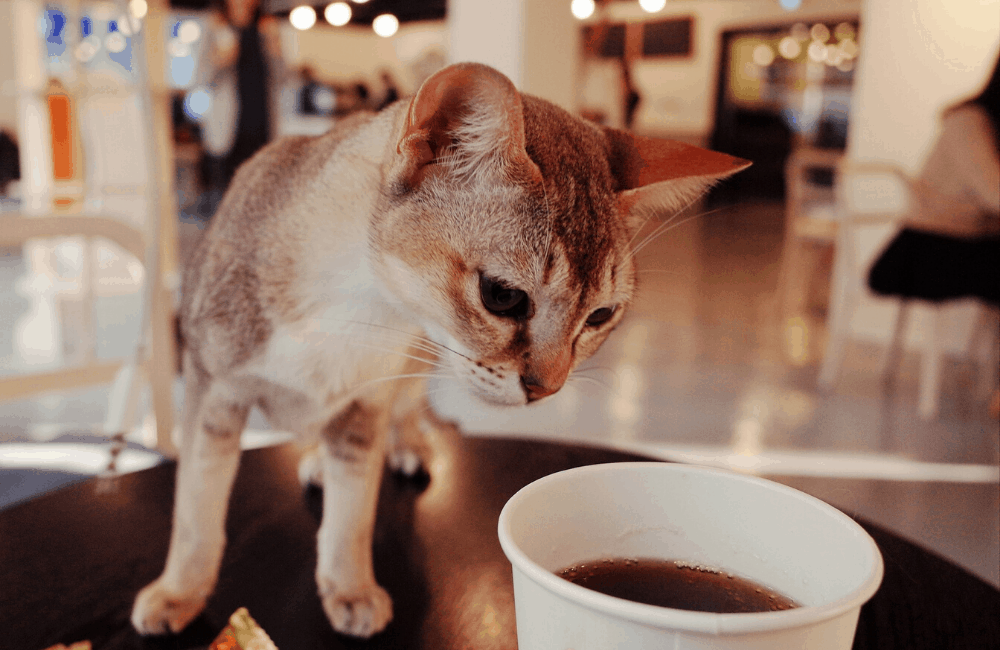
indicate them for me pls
(337, 14)
(582, 9)
(385, 25)
(302, 17)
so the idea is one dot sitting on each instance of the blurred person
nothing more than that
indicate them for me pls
(950, 246)
(390, 93)
(10, 164)
(243, 58)
(630, 94)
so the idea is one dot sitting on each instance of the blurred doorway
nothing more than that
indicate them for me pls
(782, 88)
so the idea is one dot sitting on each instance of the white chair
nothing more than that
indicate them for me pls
(155, 362)
(123, 140)
(811, 218)
(879, 197)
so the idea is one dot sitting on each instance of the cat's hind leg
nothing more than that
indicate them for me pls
(407, 451)
(352, 456)
(210, 449)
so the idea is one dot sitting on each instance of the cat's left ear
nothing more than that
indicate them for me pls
(656, 174)
(465, 118)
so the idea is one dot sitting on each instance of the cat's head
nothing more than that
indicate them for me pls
(505, 226)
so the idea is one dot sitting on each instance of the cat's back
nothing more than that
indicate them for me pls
(247, 271)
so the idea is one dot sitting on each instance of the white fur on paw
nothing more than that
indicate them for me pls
(158, 610)
(361, 613)
(311, 469)
(406, 461)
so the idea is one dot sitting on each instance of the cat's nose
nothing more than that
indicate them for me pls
(536, 391)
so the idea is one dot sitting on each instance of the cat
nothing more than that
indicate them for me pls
(473, 229)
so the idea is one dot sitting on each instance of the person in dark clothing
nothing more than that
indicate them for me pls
(253, 126)
(950, 246)
(240, 121)
(10, 164)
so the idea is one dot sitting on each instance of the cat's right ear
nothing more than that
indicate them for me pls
(657, 174)
(464, 117)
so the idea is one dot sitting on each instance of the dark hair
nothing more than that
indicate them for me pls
(988, 100)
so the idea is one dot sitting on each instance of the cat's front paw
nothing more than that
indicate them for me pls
(158, 610)
(311, 469)
(411, 461)
(361, 613)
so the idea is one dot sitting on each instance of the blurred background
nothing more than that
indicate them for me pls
(755, 343)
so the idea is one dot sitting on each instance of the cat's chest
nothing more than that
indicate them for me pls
(346, 346)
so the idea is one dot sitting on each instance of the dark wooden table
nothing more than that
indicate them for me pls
(71, 561)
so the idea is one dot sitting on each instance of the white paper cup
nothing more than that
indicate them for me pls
(776, 536)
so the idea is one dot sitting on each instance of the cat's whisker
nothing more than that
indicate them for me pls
(431, 362)
(377, 380)
(419, 340)
(654, 233)
(590, 380)
(664, 228)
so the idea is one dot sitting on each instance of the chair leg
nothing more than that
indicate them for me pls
(894, 352)
(930, 369)
(843, 299)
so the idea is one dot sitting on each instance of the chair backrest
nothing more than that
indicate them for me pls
(16, 229)
(880, 191)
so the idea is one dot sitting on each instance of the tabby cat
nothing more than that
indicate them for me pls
(472, 228)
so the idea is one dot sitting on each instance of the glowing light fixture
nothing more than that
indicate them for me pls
(138, 8)
(337, 14)
(652, 6)
(820, 32)
(763, 55)
(817, 51)
(789, 47)
(385, 25)
(360, 2)
(302, 17)
(790, 5)
(115, 42)
(189, 31)
(582, 9)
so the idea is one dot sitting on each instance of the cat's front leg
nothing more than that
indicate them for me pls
(351, 453)
(209, 455)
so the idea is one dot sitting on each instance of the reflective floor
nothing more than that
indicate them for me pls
(707, 369)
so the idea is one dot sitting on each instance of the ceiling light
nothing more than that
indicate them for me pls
(652, 6)
(582, 9)
(337, 14)
(139, 8)
(302, 17)
(385, 25)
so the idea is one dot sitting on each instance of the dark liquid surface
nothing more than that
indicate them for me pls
(676, 584)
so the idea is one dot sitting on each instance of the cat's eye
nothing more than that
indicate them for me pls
(503, 300)
(600, 316)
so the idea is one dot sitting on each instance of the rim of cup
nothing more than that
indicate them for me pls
(692, 621)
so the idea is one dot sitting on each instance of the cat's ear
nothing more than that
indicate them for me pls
(464, 117)
(656, 174)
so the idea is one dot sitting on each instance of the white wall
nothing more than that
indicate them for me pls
(346, 54)
(534, 42)
(918, 57)
(8, 97)
(679, 93)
